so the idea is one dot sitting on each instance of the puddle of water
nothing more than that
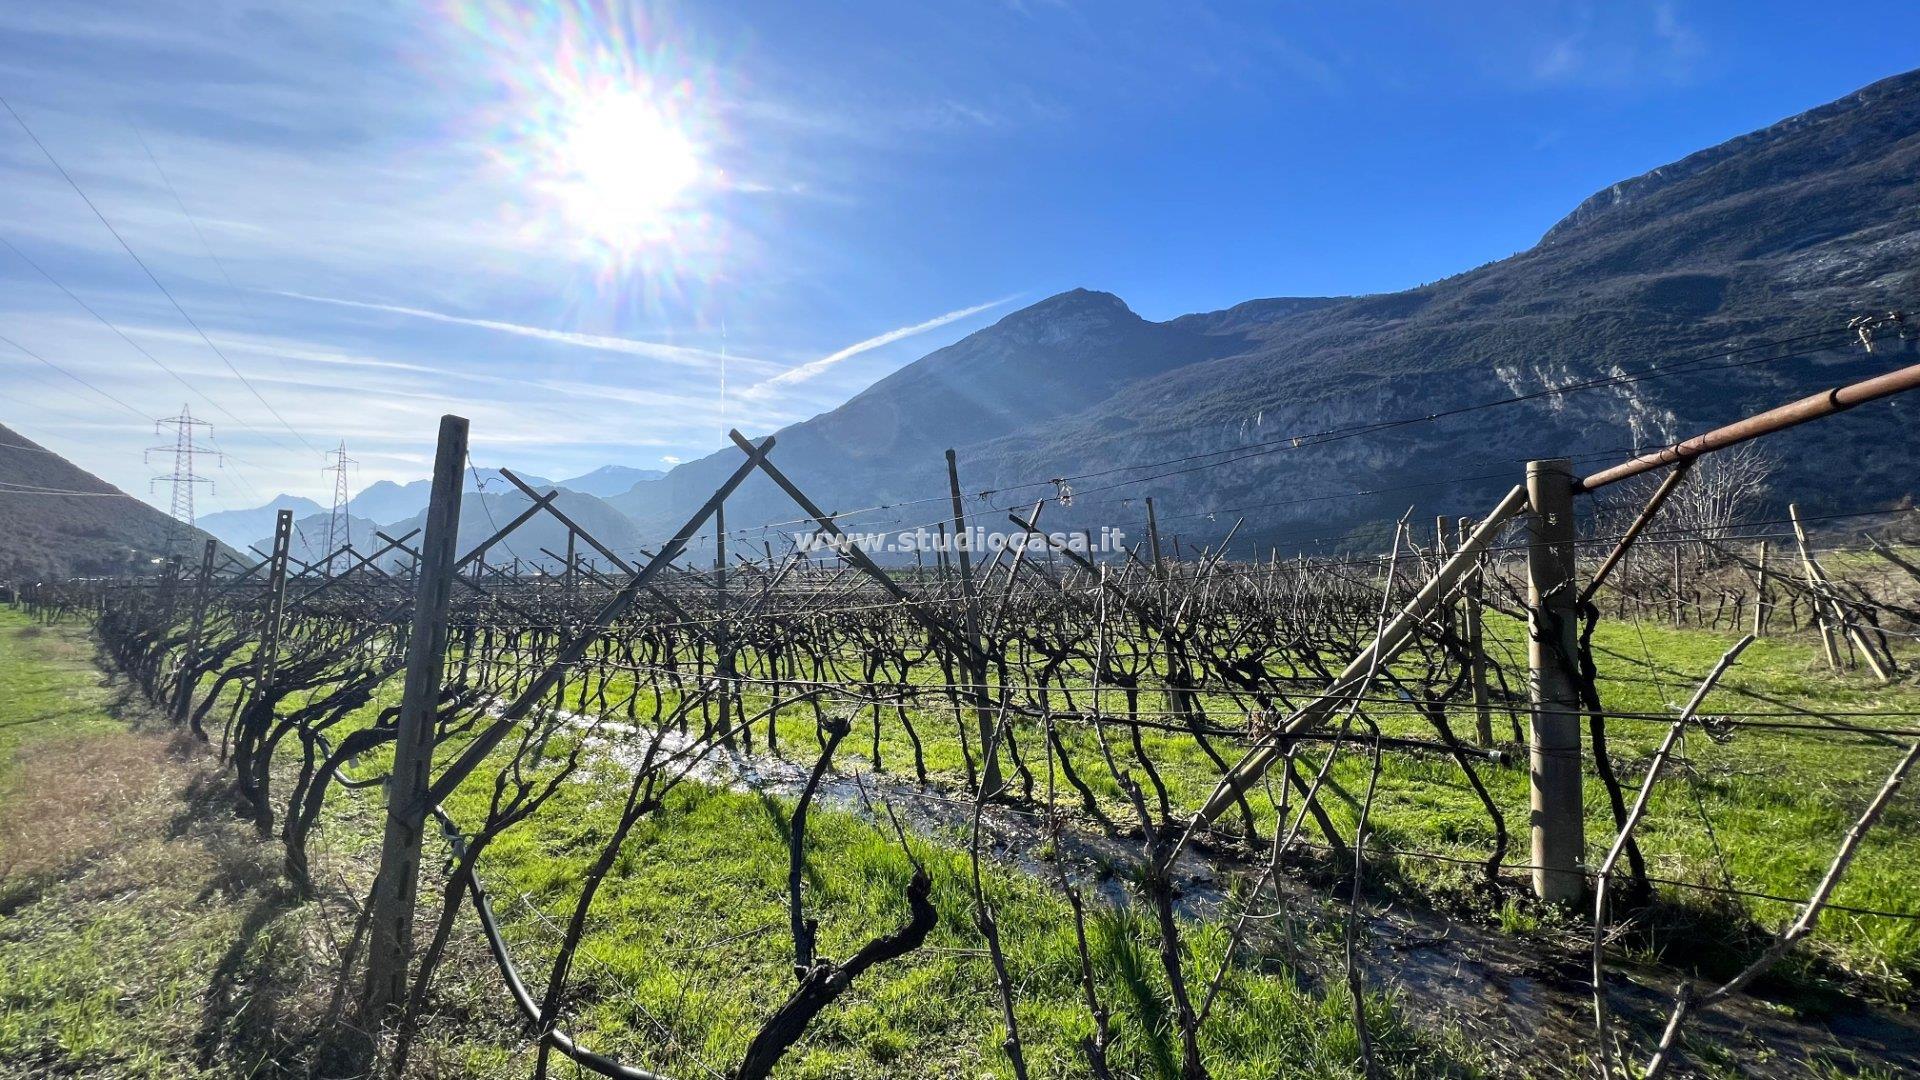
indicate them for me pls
(1527, 1001)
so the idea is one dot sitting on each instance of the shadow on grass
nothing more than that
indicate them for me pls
(782, 820)
(258, 1007)
(1117, 941)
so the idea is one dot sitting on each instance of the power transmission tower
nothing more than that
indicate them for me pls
(183, 478)
(339, 526)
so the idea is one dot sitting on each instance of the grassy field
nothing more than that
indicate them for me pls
(1761, 812)
(158, 941)
(137, 921)
(166, 945)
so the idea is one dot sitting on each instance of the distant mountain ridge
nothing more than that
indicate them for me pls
(542, 540)
(610, 480)
(238, 528)
(1772, 236)
(386, 502)
(489, 500)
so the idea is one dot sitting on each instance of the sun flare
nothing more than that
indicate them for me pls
(604, 138)
(621, 166)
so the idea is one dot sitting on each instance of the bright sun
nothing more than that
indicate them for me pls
(621, 167)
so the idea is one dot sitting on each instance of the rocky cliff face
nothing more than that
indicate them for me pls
(1690, 270)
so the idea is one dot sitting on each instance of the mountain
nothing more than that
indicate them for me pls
(609, 480)
(90, 528)
(1033, 367)
(1781, 235)
(490, 501)
(309, 540)
(382, 501)
(484, 513)
(238, 528)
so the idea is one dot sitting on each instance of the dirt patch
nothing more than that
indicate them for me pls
(145, 930)
(69, 799)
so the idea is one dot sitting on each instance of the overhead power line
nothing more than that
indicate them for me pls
(164, 291)
(109, 324)
(75, 378)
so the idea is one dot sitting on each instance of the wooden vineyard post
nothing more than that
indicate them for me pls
(170, 590)
(573, 569)
(197, 621)
(390, 926)
(1760, 605)
(1153, 541)
(1476, 642)
(977, 661)
(1175, 704)
(1558, 826)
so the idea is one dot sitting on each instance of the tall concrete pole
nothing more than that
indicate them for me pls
(1558, 826)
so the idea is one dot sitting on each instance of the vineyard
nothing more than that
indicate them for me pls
(1559, 787)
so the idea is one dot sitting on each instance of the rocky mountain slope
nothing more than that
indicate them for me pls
(1776, 236)
(57, 520)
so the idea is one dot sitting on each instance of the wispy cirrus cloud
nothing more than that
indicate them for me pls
(793, 376)
(653, 350)
(1620, 46)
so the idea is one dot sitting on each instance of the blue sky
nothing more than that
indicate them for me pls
(375, 211)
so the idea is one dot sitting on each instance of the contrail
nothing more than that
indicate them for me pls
(654, 350)
(814, 367)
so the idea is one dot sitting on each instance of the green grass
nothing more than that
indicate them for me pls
(1762, 812)
(688, 949)
(100, 973)
(182, 956)
(691, 933)
(48, 687)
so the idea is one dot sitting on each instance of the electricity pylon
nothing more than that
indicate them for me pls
(339, 526)
(183, 478)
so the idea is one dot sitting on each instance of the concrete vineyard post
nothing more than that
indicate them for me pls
(183, 688)
(276, 598)
(1558, 828)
